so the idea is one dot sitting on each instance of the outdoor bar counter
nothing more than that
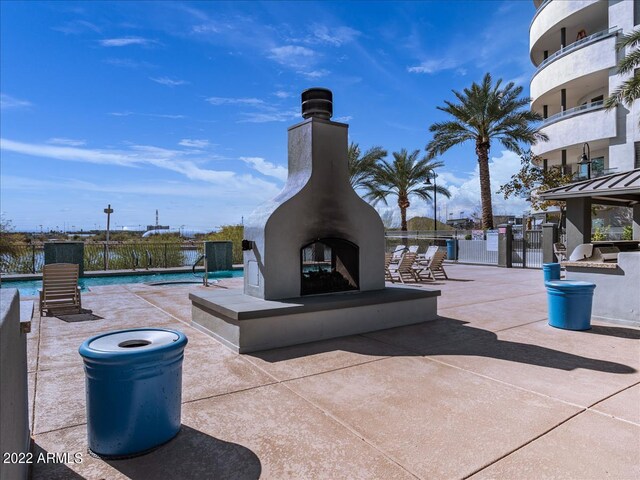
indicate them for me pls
(617, 294)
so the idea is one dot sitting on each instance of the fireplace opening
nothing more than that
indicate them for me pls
(329, 265)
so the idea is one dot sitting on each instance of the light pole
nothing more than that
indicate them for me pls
(108, 211)
(585, 159)
(435, 201)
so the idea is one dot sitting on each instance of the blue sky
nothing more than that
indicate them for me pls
(184, 106)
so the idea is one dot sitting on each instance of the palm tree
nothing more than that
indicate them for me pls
(405, 176)
(629, 90)
(486, 112)
(361, 166)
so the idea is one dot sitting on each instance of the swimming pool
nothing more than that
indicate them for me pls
(29, 288)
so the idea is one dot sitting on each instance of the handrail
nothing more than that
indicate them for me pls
(205, 277)
(583, 42)
(149, 259)
(136, 260)
(572, 112)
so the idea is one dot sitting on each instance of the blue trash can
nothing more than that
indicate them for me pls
(551, 271)
(134, 390)
(570, 304)
(452, 249)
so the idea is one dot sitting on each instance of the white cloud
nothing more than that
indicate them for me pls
(344, 119)
(271, 115)
(466, 196)
(179, 161)
(282, 94)
(128, 63)
(435, 65)
(126, 41)
(168, 81)
(155, 115)
(266, 168)
(7, 101)
(192, 143)
(205, 28)
(66, 141)
(293, 56)
(315, 73)
(234, 101)
(336, 37)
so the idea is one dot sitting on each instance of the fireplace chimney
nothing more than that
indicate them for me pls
(317, 102)
(317, 236)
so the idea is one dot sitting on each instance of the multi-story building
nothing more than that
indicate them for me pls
(573, 46)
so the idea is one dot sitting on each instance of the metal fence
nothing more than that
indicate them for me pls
(527, 249)
(22, 258)
(472, 244)
(29, 258)
(475, 251)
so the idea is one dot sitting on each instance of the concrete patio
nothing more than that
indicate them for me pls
(488, 390)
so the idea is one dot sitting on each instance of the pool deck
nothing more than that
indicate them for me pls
(488, 390)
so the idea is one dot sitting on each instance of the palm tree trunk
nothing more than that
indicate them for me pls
(482, 152)
(403, 203)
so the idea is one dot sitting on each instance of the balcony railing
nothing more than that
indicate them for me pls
(572, 112)
(579, 176)
(578, 44)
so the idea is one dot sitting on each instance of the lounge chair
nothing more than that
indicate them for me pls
(405, 269)
(434, 267)
(60, 287)
(388, 257)
(428, 254)
(396, 255)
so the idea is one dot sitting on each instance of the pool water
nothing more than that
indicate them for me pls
(29, 288)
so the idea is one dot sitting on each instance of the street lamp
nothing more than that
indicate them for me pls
(435, 220)
(108, 211)
(585, 159)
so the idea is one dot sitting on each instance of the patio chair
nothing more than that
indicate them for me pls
(388, 257)
(428, 254)
(60, 287)
(434, 267)
(405, 270)
(396, 255)
(560, 251)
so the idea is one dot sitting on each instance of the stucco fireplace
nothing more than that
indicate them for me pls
(313, 255)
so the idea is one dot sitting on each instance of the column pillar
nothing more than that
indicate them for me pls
(505, 246)
(636, 222)
(65, 252)
(578, 222)
(549, 237)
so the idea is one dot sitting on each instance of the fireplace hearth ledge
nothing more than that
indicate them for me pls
(249, 324)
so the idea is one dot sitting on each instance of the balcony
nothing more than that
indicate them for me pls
(572, 112)
(576, 45)
(589, 123)
(596, 54)
(550, 15)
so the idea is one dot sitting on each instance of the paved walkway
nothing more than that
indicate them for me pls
(488, 390)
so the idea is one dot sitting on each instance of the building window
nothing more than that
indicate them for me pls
(636, 163)
(636, 12)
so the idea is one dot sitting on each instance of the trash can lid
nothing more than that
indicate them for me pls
(570, 284)
(133, 340)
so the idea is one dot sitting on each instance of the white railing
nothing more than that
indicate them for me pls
(583, 42)
(572, 112)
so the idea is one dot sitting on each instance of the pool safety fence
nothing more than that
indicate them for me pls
(30, 258)
(476, 246)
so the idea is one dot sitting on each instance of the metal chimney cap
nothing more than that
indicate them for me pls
(317, 102)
